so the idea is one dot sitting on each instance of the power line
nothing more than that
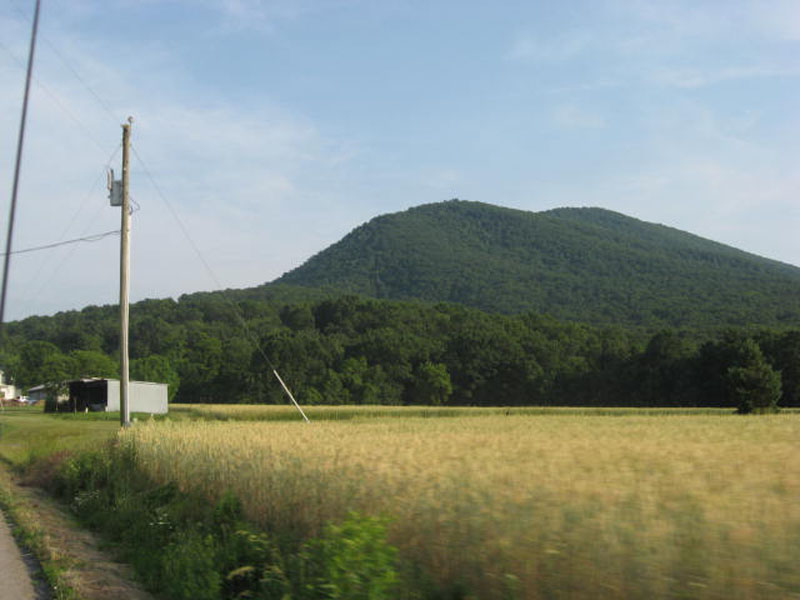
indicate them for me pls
(98, 237)
(31, 281)
(90, 193)
(89, 238)
(105, 106)
(54, 97)
(209, 270)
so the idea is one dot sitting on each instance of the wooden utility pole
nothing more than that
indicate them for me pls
(124, 276)
(20, 139)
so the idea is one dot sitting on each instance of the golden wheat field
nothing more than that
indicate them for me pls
(567, 505)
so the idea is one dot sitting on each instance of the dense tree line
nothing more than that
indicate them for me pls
(351, 350)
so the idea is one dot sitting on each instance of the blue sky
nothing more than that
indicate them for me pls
(275, 127)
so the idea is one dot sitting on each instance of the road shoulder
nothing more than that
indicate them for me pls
(71, 554)
(17, 581)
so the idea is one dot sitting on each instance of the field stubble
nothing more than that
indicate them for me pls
(547, 506)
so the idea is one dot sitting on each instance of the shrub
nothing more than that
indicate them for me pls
(355, 560)
(189, 571)
(754, 388)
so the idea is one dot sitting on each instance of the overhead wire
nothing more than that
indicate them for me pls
(89, 238)
(83, 82)
(81, 126)
(88, 196)
(245, 327)
(135, 208)
(89, 223)
(52, 95)
(161, 195)
(102, 103)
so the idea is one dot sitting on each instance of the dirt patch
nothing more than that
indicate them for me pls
(88, 570)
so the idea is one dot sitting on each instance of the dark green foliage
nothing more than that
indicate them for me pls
(156, 368)
(581, 264)
(350, 350)
(665, 371)
(354, 561)
(754, 386)
(189, 572)
(782, 351)
(91, 363)
(32, 366)
(431, 384)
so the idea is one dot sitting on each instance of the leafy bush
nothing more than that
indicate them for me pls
(189, 571)
(355, 561)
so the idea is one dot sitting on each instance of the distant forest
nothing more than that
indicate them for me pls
(353, 350)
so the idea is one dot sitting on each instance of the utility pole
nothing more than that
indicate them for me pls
(20, 139)
(124, 278)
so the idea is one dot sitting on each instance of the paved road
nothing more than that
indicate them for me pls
(15, 580)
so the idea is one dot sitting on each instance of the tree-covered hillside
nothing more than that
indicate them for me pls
(635, 281)
(580, 264)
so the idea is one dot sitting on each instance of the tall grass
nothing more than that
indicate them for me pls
(271, 412)
(497, 506)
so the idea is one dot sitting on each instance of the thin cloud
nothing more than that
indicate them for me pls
(535, 49)
(259, 15)
(696, 78)
(571, 116)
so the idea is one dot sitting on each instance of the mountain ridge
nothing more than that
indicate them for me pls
(581, 264)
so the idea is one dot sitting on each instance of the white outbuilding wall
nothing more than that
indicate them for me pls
(145, 397)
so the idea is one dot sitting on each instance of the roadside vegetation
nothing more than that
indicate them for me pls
(32, 448)
(241, 502)
(33, 537)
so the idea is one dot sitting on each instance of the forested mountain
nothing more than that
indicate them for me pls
(580, 264)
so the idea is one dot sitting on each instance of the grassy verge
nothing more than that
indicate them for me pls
(27, 435)
(32, 446)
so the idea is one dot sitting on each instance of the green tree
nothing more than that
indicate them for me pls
(297, 317)
(88, 363)
(664, 375)
(156, 368)
(201, 364)
(783, 353)
(431, 385)
(33, 366)
(754, 388)
(56, 369)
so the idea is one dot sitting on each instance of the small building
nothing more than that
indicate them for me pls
(39, 393)
(102, 395)
(8, 391)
